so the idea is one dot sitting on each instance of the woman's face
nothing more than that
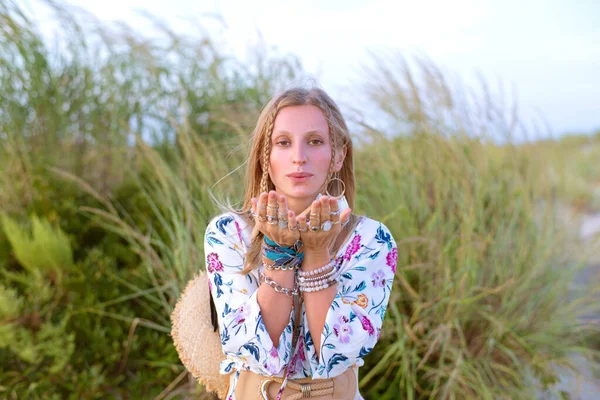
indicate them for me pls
(300, 154)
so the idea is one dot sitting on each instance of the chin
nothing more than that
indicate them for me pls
(301, 193)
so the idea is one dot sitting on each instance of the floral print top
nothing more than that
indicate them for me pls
(367, 263)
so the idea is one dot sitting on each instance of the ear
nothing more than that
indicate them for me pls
(340, 156)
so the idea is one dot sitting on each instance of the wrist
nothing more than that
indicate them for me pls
(313, 253)
(315, 259)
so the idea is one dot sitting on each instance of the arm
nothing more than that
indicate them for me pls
(276, 307)
(317, 304)
(355, 315)
(244, 335)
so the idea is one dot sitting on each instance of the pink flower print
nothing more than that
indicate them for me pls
(367, 326)
(273, 352)
(378, 279)
(214, 265)
(241, 314)
(392, 259)
(271, 368)
(301, 348)
(378, 333)
(239, 231)
(353, 247)
(299, 356)
(343, 330)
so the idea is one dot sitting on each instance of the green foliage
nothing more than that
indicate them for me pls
(35, 334)
(48, 250)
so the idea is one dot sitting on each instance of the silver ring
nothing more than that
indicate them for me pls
(302, 230)
(261, 218)
(335, 213)
(313, 228)
(326, 226)
(294, 228)
(283, 224)
(271, 218)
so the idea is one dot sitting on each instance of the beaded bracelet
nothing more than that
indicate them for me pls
(314, 272)
(284, 267)
(318, 279)
(318, 285)
(277, 287)
(326, 275)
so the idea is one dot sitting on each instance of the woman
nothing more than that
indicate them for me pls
(300, 284)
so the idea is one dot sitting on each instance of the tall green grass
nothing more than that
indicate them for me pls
(483, 305)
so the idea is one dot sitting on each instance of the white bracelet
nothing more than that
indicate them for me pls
(327, 274)
(320, 284)
(317, 271)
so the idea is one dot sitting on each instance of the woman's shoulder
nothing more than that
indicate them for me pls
(370, 226)
(229, 224)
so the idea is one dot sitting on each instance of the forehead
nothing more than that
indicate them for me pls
(300, 119)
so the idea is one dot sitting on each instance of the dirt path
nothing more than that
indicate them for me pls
(586, 386)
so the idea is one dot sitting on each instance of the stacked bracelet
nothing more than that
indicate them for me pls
(330, 264)
(329, 273)
(290, 292)
(319, 279)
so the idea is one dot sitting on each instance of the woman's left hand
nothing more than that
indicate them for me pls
(325, 224)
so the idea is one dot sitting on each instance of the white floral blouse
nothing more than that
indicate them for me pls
(367, 261)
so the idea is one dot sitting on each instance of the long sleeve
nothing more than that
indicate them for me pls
(244, 337)
(354, 320)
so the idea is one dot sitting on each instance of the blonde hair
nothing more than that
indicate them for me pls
(257, 174)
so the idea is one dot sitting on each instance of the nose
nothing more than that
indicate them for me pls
(299, 154)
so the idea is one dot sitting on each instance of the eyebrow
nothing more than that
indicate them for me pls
(284, 132)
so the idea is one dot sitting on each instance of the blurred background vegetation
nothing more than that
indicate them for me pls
(111, 145)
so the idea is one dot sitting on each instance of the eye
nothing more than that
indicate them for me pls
(282, 142)
(318, 141)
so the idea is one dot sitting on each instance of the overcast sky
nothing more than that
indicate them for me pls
(549, 50)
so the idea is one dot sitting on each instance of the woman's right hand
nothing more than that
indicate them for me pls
(283, 229)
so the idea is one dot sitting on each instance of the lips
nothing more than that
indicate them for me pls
(300, 175)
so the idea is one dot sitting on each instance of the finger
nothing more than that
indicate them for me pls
(345, 217)
(282, 212)
(292, 221)
(302, 227)
(315, 214)
(253, 206)
(262, 207)
(272, 208)
(334, 207)
(325, 208)
(283, 209)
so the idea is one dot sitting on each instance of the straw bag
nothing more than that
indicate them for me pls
(196, 337)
